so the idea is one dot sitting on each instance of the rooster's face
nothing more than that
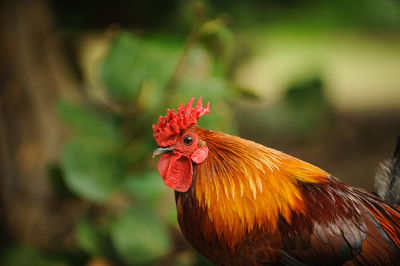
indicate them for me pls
(180, 145)
(176, 162)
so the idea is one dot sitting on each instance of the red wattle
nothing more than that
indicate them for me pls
(163, 164)
(176, 170)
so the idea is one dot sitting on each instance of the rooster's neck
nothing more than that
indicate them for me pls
(243, 185)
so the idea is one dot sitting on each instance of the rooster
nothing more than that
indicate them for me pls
(241, 203)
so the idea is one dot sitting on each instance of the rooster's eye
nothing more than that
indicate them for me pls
(188, 140)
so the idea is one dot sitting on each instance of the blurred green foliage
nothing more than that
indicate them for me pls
(92, 159)
(133, 63)
(303, 113)
(304, 107)
(139, 236)
(27, 256)
(106, 160)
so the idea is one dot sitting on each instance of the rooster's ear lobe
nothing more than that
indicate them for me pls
(199, 155)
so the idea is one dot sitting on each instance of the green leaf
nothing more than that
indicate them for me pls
(89, 239)
(209, 88)
(91, 160)
(91, 170)
(134, 66)
(146, 186)
(121, 78)
(139, 237)
(85, 121)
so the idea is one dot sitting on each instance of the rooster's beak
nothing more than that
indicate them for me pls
(160, 151)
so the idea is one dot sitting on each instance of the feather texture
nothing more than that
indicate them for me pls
(387, 178)
(249, 205)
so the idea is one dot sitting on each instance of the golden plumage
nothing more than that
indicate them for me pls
(240, 203)
(242, 185)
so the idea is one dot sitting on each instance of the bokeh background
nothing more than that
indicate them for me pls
(81, 83)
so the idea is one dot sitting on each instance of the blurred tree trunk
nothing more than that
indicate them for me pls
(33, 76)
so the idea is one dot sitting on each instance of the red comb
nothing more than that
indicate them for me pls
(171, 125)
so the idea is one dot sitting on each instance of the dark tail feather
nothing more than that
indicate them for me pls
(387, 179)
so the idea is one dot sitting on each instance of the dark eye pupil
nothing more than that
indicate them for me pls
(188, 140)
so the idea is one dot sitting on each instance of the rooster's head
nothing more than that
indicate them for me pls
(180, 145)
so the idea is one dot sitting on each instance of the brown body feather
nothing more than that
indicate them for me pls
(251, 205)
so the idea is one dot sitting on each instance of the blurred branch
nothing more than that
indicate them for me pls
(199, 14)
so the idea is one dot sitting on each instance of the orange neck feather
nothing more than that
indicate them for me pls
(243, 185)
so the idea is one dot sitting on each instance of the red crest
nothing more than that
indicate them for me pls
(171, 125)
